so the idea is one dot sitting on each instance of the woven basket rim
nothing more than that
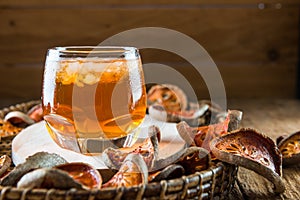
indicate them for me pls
(178, 187)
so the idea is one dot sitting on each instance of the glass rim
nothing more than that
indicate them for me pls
(92, 51)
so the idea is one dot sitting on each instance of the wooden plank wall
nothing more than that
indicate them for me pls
(254, 43)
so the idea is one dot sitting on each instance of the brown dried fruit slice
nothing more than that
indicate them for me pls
(113, 158)
(290, 149)
(213, 107)
(171, 97)
(190, 116)
(207, 133)
(7, 129)
(18, 119)
(213, 115)
(201, 136)
(85, 174)
(280, 138)
(235, 118)
(107, 174)
(252, 150)
(36, 113)
(48, 178)
(195, 159)
(38, 160)
(5, 163)
(170, 172)
(132, 172)
(186, 132)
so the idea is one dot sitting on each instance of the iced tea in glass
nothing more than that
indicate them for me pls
(93, 97)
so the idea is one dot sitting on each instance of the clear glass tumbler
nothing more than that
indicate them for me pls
(93, 97)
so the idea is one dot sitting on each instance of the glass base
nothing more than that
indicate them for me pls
(94, 145)
(89, 146)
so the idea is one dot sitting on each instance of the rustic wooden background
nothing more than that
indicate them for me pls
(254, 44)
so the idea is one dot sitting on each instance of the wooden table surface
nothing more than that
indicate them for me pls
(273, 118)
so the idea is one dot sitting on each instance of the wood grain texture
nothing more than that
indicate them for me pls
(20, 83)
(255, 50)
(273, 118)
(25, 82)
(229, 35)
(17, 3)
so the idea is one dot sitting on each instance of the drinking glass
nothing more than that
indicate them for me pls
(93, 97)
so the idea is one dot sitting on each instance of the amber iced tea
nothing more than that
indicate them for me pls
(101, 98)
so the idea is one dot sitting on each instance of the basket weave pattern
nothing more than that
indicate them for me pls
(214, 183)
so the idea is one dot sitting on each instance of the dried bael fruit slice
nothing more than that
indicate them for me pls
(187, 133)
(171, 97)
(201, 136)
(19, 119)
(107, 174)
(190, 116)
(8, 130)
(132, 172)
(213, 107)
(170, 172)
(38, 160)
(36, 113)
(289, 147)
(48, 178)
(195, 159)
(252, 150)
(5, 163)
(235, 118)
(213, 115)
(113, 158)
(83, 173)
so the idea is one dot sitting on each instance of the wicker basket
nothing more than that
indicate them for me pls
(214, 183)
